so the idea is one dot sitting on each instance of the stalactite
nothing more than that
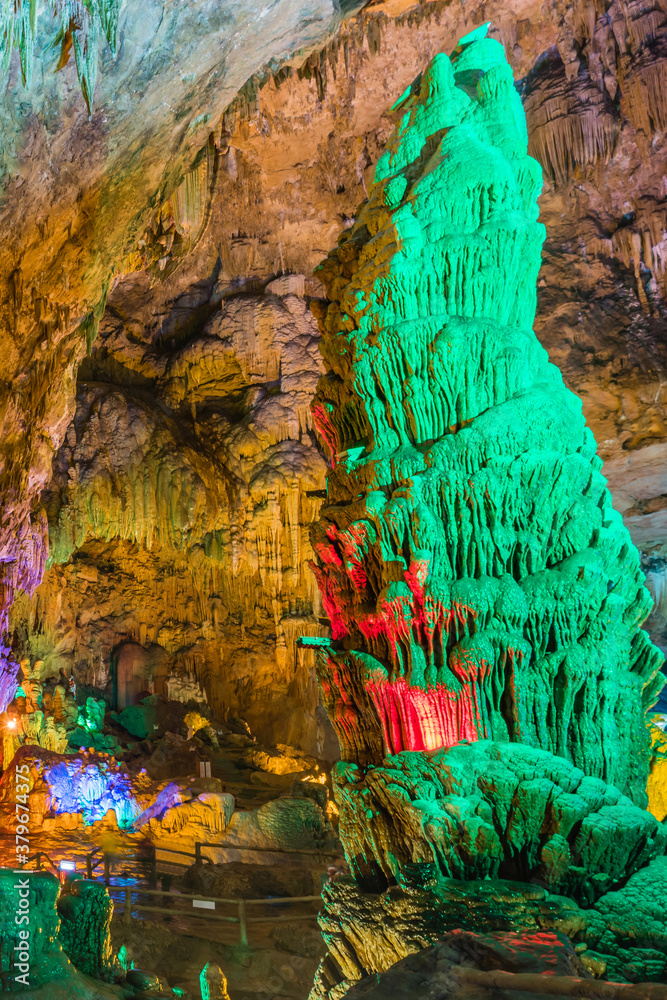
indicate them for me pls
(80, 19)
(572, 124)
(643, 82)
(215, 511)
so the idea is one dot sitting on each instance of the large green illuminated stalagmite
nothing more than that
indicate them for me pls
(487, 676)
(479, 583)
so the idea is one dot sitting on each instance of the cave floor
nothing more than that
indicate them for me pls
(179, 949)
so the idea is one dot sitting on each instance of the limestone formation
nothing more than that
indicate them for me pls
(212, 476)
(494, 810)
(77, 24)
(213, 983)
(59, 927)
(258, 192)
(463, 961)
(622, 936)
(488, 676)
(79, 166)
(478, 581)
(85, 909)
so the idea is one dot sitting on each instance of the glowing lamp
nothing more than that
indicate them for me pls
(67, 866)
(313, 642)
(11, 724)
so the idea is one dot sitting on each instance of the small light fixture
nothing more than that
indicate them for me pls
(11, 724)
(67, 866)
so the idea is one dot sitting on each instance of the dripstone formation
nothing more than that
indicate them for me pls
(483, 594)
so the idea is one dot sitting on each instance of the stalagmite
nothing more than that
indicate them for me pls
(487, 660)
(478, 580)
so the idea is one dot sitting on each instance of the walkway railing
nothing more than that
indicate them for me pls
(39, 858)
(99, 858)
(206, 904)
(198, 858)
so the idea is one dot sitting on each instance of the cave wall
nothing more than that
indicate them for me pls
(178, 506)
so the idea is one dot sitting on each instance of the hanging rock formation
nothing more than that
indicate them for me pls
(484, 596)
(87, 159)
(180, 508)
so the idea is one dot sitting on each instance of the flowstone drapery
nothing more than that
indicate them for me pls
(480, 585)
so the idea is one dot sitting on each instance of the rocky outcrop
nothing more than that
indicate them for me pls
(488, 810)
(66, 927)
(203, 466)
(443, 969)
(82, 168)
(623, 936)
(478, 581)
(85, 909)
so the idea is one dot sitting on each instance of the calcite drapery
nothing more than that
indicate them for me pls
(478, 581)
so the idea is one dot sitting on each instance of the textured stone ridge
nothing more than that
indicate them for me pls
(180, 508)
(478, 581)
(623, 936)
(430, 972)
(494, 811)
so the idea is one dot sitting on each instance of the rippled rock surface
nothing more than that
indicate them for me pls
(484, 596)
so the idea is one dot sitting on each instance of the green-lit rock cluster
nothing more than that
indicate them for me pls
(494, 810)
(45, 959)
(67, 936)
(86, 909)
(89, 731)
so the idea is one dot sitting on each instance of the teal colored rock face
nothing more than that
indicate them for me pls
(44, 960)
(479, 583)
(139, 720)
(50, 934)
(77, 23)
